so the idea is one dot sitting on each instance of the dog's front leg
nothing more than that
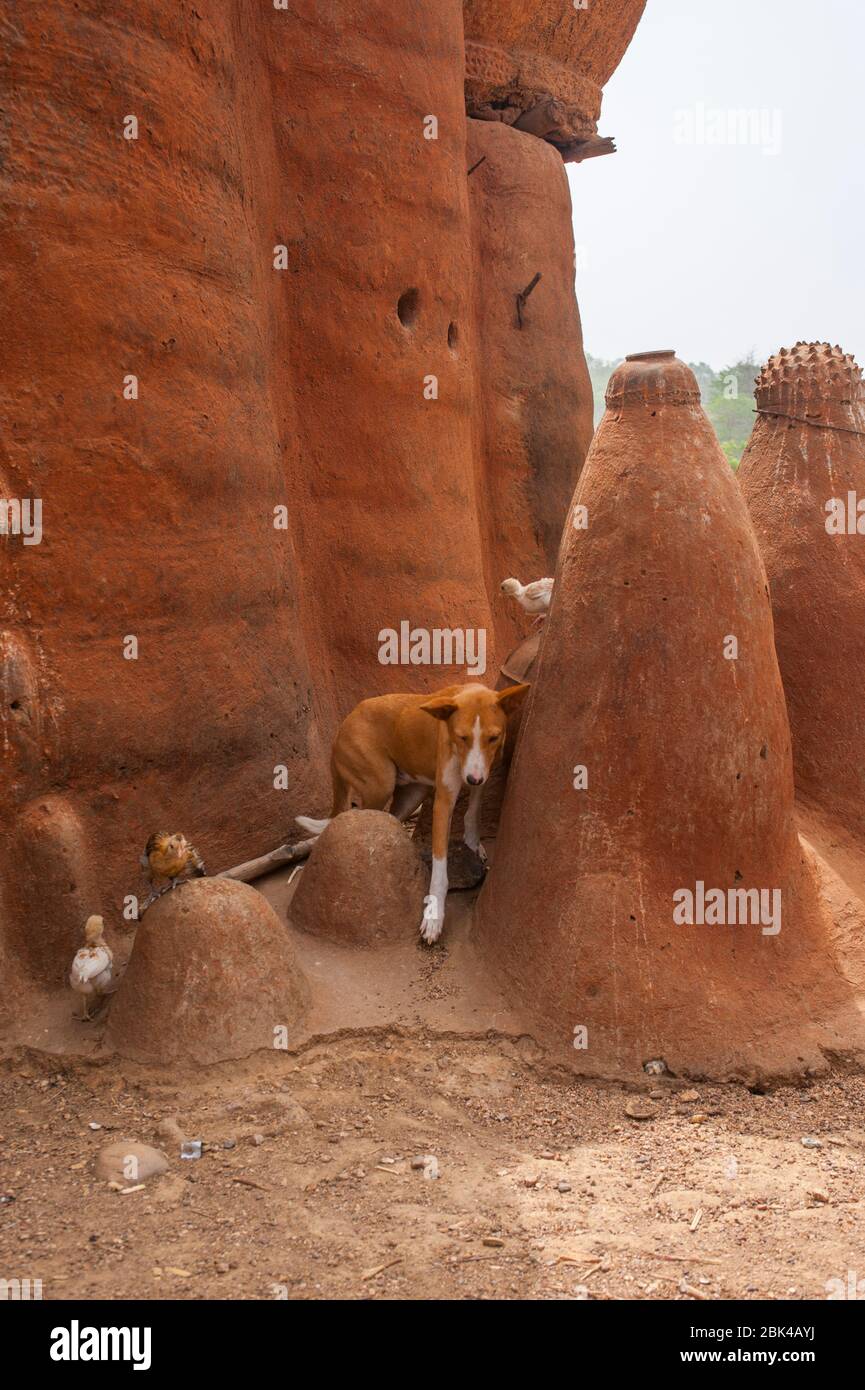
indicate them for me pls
(471, 825)
(434, 903)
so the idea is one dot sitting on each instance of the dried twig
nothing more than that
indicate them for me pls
(379, 1269)
(695, 1293)
(681, 1259)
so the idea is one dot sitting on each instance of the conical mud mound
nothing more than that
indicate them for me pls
(212, 976)
(803, 476)
(653, 782)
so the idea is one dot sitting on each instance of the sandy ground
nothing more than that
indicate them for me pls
(317, 1178)
(546, 1188)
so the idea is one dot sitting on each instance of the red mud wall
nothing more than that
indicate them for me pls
(140, 257)
(257, 388)
(534, 391)
(372, 211)
(591, 37)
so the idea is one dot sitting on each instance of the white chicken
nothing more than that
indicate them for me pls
(534, 597)
(92, 972)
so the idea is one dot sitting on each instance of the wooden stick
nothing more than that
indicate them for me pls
(696, 1293)
(283, 854)
(523, 296)
(476, 166)
(577, 150)
(680, 1259)
(379, 1269)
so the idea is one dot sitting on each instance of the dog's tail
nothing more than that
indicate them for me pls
(341, 802)
(315, 827)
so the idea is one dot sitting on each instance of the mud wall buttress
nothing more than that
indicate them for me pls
(534, 392)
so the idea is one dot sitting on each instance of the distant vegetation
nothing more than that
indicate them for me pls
(728, 399)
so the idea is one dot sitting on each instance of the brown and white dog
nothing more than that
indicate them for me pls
(393, 748)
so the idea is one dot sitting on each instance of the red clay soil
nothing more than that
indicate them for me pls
(689, 775)
(808, 448)
(546, 1188)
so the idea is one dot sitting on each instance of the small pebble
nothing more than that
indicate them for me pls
(640, 1108)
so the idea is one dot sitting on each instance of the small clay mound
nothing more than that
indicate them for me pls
(212, 976)
(364, 883)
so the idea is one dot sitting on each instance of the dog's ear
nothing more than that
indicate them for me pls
(509, 699)
(440, 707)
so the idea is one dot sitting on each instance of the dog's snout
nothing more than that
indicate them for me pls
(474, 781)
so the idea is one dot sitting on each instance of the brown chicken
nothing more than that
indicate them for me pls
(171, 857)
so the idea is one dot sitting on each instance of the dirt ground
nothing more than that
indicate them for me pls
(546, 1188)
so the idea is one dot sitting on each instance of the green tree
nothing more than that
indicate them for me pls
(729, 404)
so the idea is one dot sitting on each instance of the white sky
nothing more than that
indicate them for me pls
(721, 249)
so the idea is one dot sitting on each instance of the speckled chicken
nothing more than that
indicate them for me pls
(171, 857)
(92, 969)
(534, 597)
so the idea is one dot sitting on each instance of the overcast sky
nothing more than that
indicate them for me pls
(689, 241)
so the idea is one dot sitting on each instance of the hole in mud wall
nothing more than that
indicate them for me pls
(453, 336)
(408, 307)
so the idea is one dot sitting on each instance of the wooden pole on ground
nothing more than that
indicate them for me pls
(283, 854)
